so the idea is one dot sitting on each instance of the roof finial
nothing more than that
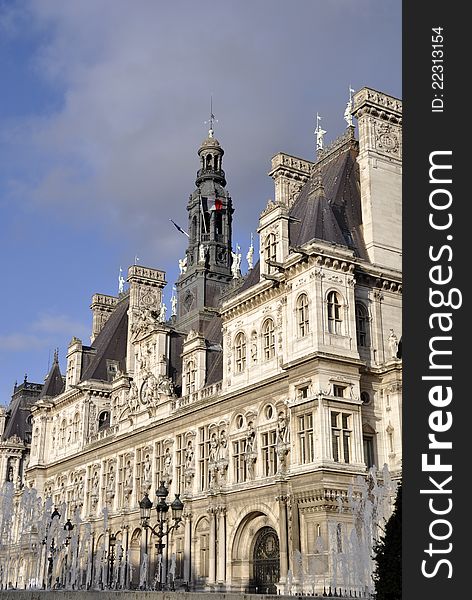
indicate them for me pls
(348, 111)
(211, 120)
(56, 356)
(319, 133)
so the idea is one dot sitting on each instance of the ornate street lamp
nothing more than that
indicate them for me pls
(162, 527)
(112, 544)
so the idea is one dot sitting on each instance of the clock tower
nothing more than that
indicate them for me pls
(206, 272)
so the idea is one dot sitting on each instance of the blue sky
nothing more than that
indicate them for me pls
(102, 110)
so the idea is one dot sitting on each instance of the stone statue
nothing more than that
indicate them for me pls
(236, 264)
(173, 304)
(129, 476)
(250, 255)
(393, 344)
(147, 469)
(189, 456)
(167, 463)
(282, 429)
(348, 111)
(201, 253)
(121, 282)
(250, 438)
(213, 454)
(162, 313)
(320, 132)
(183, 265)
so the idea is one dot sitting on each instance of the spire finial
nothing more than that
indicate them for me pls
(56, 355)
(319, 132)
(211, 120)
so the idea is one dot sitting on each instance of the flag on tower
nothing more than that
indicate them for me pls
(217, 204)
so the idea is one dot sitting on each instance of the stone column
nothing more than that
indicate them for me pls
(221, 545)
(212, 548)
(282, 500)
(188, 547)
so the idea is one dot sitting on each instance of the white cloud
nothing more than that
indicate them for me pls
(48, 330)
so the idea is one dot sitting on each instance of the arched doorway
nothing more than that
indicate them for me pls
(266, 561)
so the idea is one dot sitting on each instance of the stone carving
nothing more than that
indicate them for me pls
(144, 322)
(147, 470)
(393, 344)
(183, 265)
(133, 399)
(167, 470)
(250, 451)
(386, 139)
(254, 346)
(282, 440)
(111, 481)
(236, 264)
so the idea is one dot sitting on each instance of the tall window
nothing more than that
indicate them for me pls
(270, 251)
(334, 313)
(368, 442)
(179, 557)
(203, 454)
(239, 461)
(305, 438)
(302, 315)
(75, 427)
(268, 336)
(269, 454)
(361, 325)
(204, 554)
(340, 436)
(190, 375)
(240, 352)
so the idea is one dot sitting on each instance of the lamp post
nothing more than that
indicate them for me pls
(112, 544)
(68, 527)
(162, 528)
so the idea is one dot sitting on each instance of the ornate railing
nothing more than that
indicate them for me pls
(210, 391)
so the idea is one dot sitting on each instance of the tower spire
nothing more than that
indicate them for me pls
(211, 120)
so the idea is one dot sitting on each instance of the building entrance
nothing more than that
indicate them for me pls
(266, 561)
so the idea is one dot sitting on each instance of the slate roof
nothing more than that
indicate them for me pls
(54, 384)
(24, 396)
(109, 344)
(334, 213)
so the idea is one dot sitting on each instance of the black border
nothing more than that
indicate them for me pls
(423, 133)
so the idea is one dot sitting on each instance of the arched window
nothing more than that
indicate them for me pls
(240, 352)
(104, 420)
(190, 373)
(268, 336)
(361, 325)
(270, 251)
(302, 315)
(334, 313)
(62, 433)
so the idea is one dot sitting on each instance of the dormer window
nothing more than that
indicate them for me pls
(270, 251)
(112, 369)
(103, 420)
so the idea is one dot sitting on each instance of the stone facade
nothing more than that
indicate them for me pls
(263, 407)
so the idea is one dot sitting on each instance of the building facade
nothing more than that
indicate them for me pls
(269, 403)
